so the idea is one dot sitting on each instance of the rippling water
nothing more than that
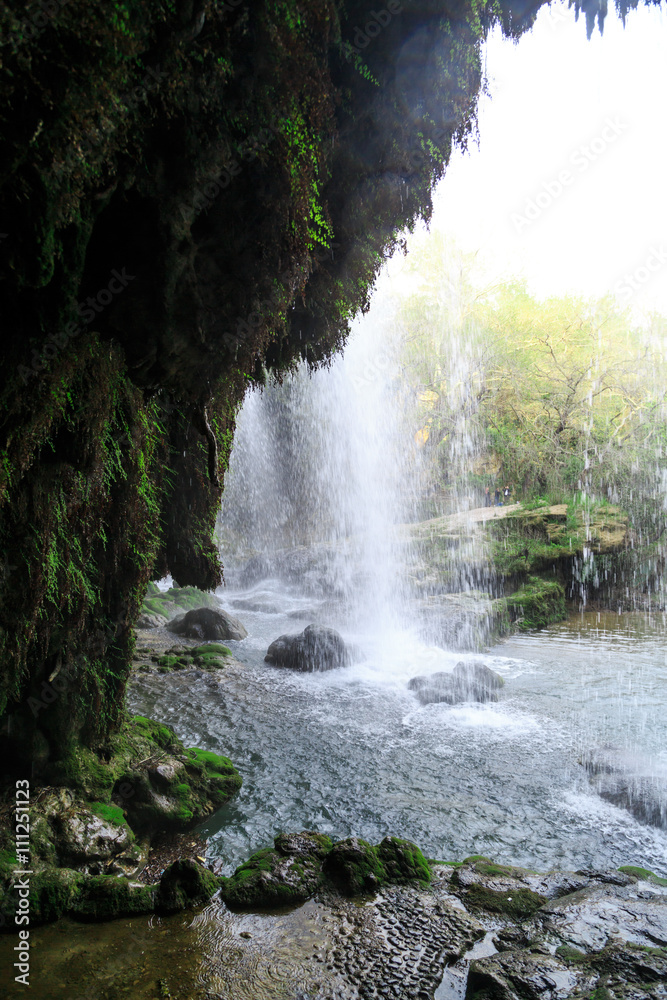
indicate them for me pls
(352, 752)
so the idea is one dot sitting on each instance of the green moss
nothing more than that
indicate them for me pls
(109, 813)
(476, 857)
(156, 732)
(537, 603)
(355, 866)
(643, 873)
(7, 864)
(83, 771)
(515, 903)
(106, 897)
(211, 649)
(569, 954)
(174, 662)
(52, 895)
(403, 861)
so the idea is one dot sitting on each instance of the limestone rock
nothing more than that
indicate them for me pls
(84, 837)
(316, 648)
(207, 623)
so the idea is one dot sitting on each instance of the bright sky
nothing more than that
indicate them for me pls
(569, 184)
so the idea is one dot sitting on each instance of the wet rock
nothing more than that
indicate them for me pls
(591, 918)
(357, 867)
(207, 623)
(501, 889)
(316, 648)
(184, 883)
(467, 682)
(107, 897)
(173, 788)
(526, 975)
(208, 656)
(288, 873)
(629, 781)
(84, 836)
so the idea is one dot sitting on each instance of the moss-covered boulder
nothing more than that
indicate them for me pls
(183, 884)
(52, 894)
(166, 604)
(538, 602)
(288, 873)
(106, 898)
(356, 867)
(517, 903)
(403, 861)
(177, 788)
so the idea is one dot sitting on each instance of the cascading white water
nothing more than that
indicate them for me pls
(326, 460)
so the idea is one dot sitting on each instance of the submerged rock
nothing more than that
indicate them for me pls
(467, 682)
(207, 623)
(630, 782)
(316, 648)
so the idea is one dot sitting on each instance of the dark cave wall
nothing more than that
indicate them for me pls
(192, 194)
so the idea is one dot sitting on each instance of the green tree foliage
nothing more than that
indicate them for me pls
(554, 397)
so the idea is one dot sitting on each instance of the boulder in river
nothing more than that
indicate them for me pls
(316, 648)
(472, 681)
(207, 623)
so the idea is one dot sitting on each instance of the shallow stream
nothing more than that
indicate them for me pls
(351, 751)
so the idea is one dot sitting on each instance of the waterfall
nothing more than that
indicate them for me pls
(322, 476)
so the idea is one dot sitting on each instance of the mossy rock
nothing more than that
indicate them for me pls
(209, 656)
(183, 884)
(355, 867)
(537, 603)
(285, 875)
(172, 662)
(515, 903)
(176, 789)
(155, 732)
(53, 892)
(170, 602)
(82, 771)
(570, 954)
(106, 897)
(403, 861)
(644, 874)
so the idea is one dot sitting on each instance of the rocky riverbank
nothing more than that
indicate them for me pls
(362, 922)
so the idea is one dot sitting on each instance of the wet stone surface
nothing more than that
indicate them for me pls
(397, 945)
